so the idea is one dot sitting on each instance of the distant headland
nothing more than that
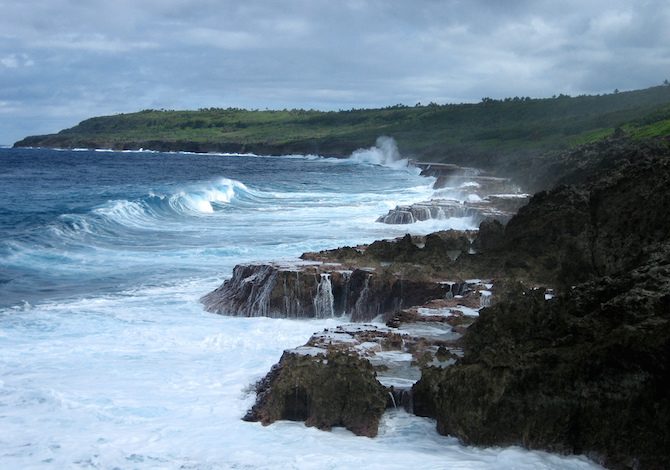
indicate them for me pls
(482, 134)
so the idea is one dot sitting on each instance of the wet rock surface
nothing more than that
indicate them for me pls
(584, 373)
(323, 388)
(318, 290)
(500, 208)
(576, 232)
(416, 257)
(348, 375)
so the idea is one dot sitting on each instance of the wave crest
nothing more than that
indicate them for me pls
(154, 211)
(206, 198)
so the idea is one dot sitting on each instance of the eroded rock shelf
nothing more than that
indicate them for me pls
(321, 290)
(348, 375)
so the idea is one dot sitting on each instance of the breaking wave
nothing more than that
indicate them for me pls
(157, 210)
(195, 200)
(205, 199)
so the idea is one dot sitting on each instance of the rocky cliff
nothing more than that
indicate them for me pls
(597, 228)
(586, 372)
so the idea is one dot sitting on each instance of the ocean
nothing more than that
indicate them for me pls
(107, 359)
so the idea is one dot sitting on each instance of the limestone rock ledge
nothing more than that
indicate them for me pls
(318, 290)
(501, 208)
(461, 192)
(348, 375)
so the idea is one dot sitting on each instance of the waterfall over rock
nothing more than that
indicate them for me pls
(316, 290)
(484, 299)
(324, 302)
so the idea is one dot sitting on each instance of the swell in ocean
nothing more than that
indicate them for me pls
(109, 361)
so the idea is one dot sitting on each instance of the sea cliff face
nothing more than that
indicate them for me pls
(585, 372)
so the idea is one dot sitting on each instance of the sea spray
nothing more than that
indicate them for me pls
(384, 153)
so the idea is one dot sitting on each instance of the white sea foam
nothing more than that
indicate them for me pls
(145, 379)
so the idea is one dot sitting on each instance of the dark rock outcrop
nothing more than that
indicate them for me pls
(318, 290)
(329, 388)
(435, 249)
(584, 164)
(573, 233)
(587, 373)
(491, 236)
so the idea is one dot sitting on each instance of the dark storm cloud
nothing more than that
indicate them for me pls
(64, 60)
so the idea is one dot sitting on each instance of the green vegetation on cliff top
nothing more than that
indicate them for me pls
(455, 132)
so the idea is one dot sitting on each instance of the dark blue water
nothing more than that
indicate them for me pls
(86, 222)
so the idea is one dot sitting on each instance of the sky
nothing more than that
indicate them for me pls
(62, 61)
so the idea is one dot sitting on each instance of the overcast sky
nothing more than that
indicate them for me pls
(62, 61)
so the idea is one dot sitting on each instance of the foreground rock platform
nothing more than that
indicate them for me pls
(349, 375)
(323, 388)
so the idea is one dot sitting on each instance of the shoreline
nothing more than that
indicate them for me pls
(549, 243)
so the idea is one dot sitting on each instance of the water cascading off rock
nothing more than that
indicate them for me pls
(316, 291)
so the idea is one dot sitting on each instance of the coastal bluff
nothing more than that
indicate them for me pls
(586, 371)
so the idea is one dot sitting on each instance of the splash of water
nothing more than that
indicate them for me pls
(384, 153)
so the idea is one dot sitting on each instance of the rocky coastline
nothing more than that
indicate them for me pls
(547, 328)
(302, 147)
